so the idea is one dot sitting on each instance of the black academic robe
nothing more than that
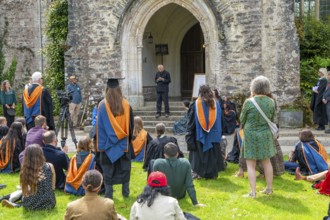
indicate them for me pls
(317, 106)
(205, 164)
(155, 149)
(298, 156)
(119, 171)
(47, 107)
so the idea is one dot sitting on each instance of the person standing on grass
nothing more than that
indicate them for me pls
(162, 79)
(326, 101)
(258, 143)
(204, 135)
(8, 100)
(317, 106)
(115, 123)
(37, 101)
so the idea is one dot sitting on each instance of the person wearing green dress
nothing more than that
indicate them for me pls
(8, 100)
(258, 143)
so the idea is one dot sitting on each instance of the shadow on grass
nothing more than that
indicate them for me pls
(45, 214)
(220, 184)
(282, 203)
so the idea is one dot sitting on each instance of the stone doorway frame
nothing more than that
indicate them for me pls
(133, 26)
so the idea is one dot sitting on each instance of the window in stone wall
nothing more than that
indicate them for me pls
(324, 9)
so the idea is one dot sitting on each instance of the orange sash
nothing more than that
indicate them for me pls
(120, 124)
(323, 152)
(201, 115)
(74, 177)
(140, 141)
(35, 95)
(4, 160)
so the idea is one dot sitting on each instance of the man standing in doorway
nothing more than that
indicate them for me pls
(74, 89)
(162, 80)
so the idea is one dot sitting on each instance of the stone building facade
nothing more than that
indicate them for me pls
(240, 39)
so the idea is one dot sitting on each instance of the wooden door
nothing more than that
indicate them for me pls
(192, 59)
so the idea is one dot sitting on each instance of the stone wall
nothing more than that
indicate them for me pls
(250, 38)
(24, 38)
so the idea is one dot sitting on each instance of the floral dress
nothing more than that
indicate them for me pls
(44, 198)
(258, 143)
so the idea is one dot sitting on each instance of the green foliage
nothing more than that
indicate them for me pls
(56, 32)
(314, 39)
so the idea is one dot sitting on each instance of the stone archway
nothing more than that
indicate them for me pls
(132, 30)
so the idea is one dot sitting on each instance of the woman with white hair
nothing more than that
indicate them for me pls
(258, 143)
(317, 106)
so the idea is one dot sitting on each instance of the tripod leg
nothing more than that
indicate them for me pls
(60, 121)
(70, 124)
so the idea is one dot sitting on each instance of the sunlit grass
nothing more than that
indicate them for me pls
(223, 198)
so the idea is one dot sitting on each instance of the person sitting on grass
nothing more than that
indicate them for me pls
(24, 131)
(10, 147)
(56, 156)
(141, 138)
(155, 201)
(310, 155)
(37, 183)
(3, 127)
(92, 206)
(178, 174)
(155, 148)
(34, 135)
(80, 163)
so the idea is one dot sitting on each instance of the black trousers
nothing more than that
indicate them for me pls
(10, 119)
(162, 96)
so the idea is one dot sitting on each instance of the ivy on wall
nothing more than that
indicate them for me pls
(56, 32)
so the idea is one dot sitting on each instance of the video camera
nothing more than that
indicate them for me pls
(64, 97)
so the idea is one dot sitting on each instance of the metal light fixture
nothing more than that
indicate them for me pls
(150, 38)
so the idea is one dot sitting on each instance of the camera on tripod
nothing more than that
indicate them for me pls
(64, 97)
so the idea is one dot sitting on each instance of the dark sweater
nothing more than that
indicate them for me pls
(178, 174)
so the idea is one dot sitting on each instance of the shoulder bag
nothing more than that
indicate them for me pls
(273, 127)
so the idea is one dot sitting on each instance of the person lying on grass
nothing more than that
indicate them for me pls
(37, 183)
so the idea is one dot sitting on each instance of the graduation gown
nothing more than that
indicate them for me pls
(110, 147)
(317, 106)
(205, 160)
(46, 108)
(155, 149)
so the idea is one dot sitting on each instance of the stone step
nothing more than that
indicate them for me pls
(171, 103)
(160, 119)
(151, 129)
(295, 132)
(291, 141)
(153, 108)
(154, 123)
(153, 113)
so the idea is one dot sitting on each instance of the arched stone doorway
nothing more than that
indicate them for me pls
(133, 34)
(192, 59)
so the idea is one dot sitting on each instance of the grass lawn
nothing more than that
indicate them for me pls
(223, 198)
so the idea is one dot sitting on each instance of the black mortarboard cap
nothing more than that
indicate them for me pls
(113, 82)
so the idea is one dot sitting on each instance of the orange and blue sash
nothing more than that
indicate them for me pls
(314, 160)
(6, 161)
(32, 103)
(113, 132)
(139, 145)
(208, 124)
(240, 138)
(74, 177)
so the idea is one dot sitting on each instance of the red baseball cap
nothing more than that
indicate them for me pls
(157, 179)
